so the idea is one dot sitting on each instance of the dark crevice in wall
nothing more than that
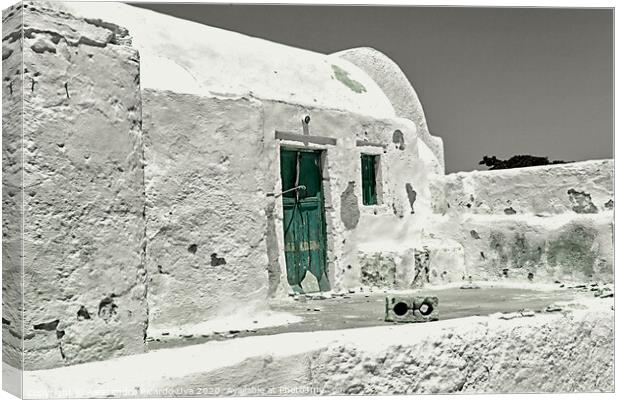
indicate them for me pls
(215, 260)
(47, 326)
(83, 313)
(144, 270)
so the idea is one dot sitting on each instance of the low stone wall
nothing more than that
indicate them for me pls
(536, 249)
(539, 224)
(434, 262)
(580, 188)
(565, 351)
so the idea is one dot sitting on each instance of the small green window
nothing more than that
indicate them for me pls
(369, 179)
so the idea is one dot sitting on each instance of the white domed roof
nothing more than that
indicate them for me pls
(187, 57)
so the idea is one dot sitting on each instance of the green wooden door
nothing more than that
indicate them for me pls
(304, 220)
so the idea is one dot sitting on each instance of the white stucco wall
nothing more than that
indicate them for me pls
(534, 190)
(207, 178)
(84, 293)
(553, 222)
(205, 198)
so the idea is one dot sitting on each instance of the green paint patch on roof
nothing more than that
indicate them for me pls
(343, 76)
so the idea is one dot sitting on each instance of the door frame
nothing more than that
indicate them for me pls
(326, 208)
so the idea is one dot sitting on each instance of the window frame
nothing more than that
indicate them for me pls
(370, 182)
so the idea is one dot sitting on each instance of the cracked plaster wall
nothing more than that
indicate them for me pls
(83, 240)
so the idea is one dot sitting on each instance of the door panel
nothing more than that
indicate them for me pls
(304, 221)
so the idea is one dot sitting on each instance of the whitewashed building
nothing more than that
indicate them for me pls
(175, 173)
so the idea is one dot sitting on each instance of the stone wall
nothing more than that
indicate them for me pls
(488, 356)
(582, 187)
(538, 224)
(532, 249)
(84, 276)
(12, 181)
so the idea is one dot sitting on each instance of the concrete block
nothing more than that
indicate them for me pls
(411, 309)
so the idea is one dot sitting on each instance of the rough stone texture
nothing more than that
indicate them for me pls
(12, 195)
(84, 193)
(434, 263)
(582, 202)
(530, 223)
(205, 195)
(560, 354)
(394, 83)
(564, 351)
(421, 267)
(411, 195)
(380, 269)
(569, 246)
(446, 260)
(553, 189)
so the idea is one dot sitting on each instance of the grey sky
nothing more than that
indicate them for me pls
(493, 81)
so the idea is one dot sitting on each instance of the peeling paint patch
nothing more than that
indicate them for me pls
(83, 313)
(509, 211)
(47, 326)
(572, 251)
(215, 260)
(349, 209)
(422, 259)
(107, 309)
(271, 241)
(412, 195)
(343, 76)
(525, 255)
(378, 269)
(192, 248)
(500, 257)
(398, 139)
(581, 202)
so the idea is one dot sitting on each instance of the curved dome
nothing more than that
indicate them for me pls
(394, 83)
(188, 57)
